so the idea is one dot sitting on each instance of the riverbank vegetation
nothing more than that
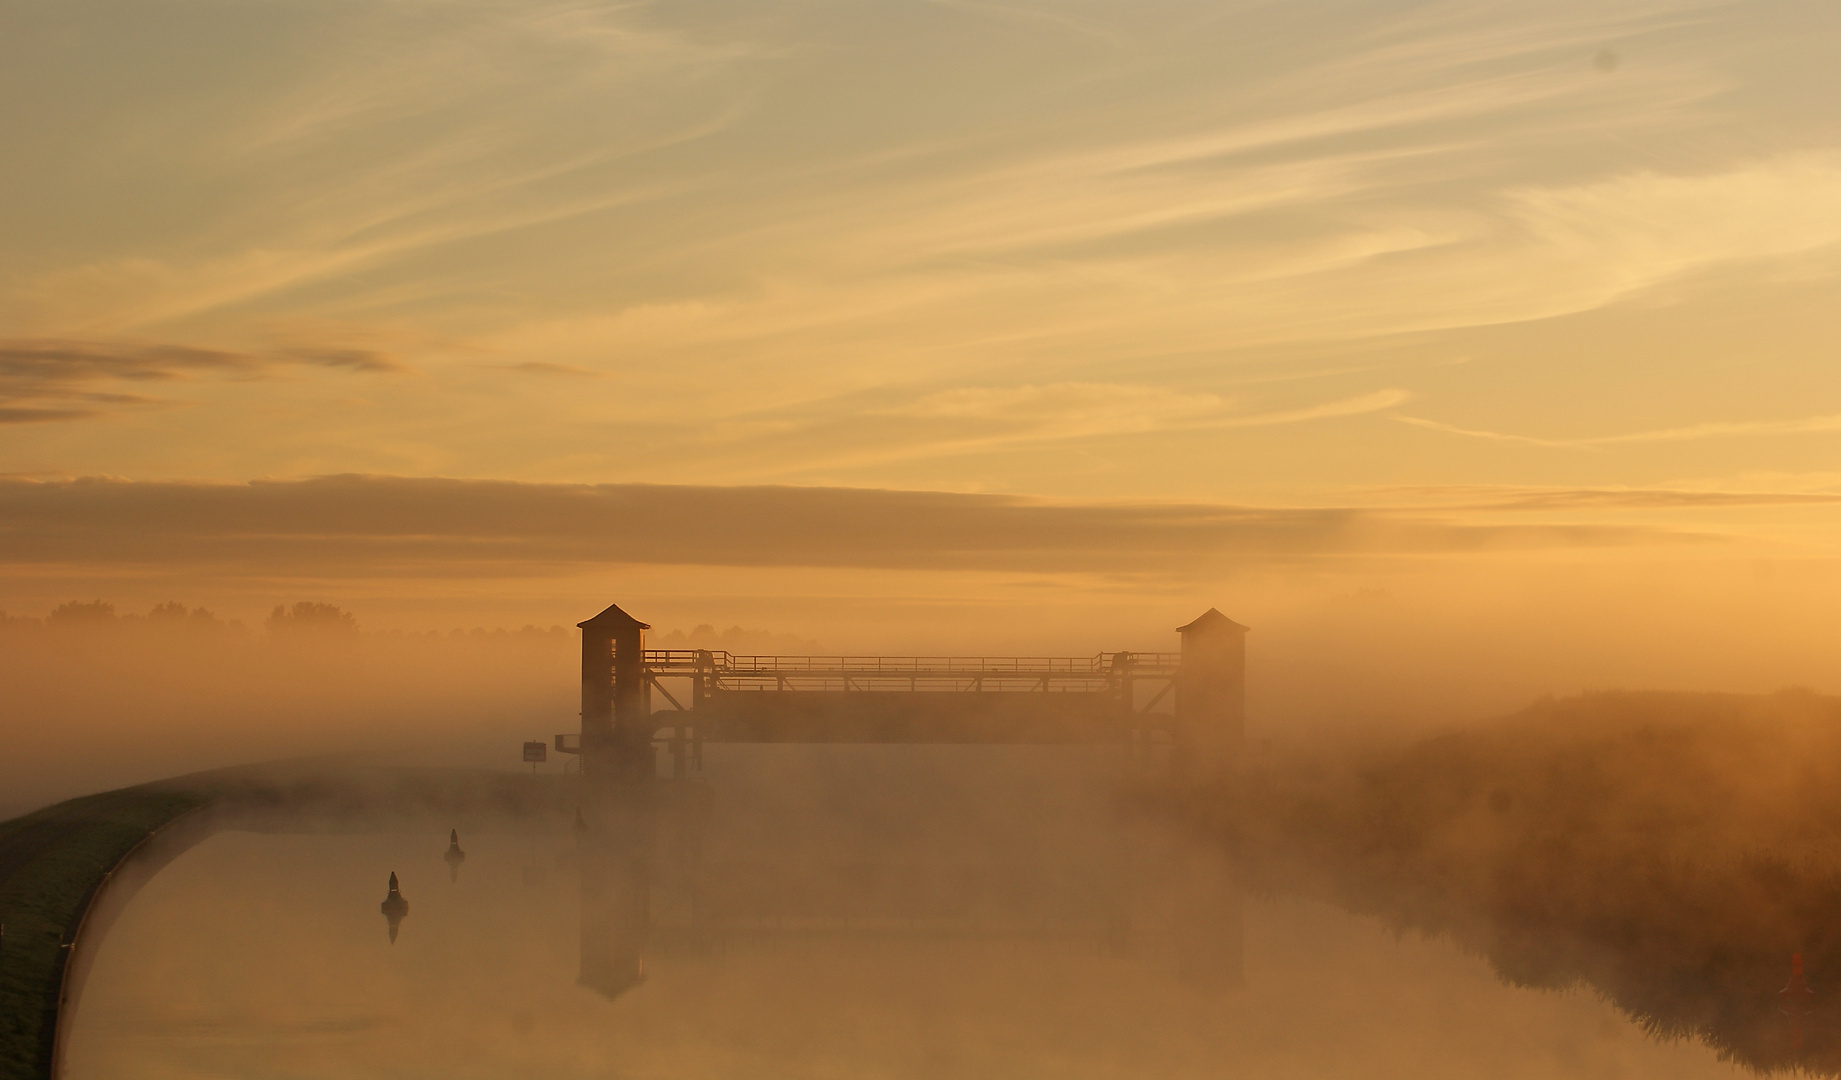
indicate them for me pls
(1670, 851)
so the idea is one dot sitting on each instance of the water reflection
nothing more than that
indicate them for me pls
(485, 987)
(395, 908)
(1210, 925)
(1017, 929)
(614, 838)
(1686, 951)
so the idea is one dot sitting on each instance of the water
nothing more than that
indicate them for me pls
(265, 956)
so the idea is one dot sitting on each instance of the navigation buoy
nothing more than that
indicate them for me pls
(454, 856)
(394, 907)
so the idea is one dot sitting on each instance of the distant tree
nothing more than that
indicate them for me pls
(737, 639)
(311, 618)
(79, 613)
(174, 614)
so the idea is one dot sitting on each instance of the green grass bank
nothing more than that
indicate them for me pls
(51, 862)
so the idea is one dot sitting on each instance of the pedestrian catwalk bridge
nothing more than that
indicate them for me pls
(635, 699)
(957, 674)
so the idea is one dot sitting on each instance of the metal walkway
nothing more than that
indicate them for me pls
(718, 670)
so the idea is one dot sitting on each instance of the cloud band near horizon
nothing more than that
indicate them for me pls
(357, 526)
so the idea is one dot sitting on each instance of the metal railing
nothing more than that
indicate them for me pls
(686, 661)
(1083, 674)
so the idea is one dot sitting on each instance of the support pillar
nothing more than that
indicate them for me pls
(1125, 692)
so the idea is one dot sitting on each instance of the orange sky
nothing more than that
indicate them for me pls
(939, 323)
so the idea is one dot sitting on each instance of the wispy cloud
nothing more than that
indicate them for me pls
(1541, 499)
(44, 380)
(40, 361)
(884, 426)
(1711, 430)
(1064, 410)
(12, 415)
(1355, 406)
(1721, 430)
(1477, 433)
(545, 367)
(371, 360)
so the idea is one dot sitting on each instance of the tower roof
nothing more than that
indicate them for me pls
(1212, 619)
(613, 618)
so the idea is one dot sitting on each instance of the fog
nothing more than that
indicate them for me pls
(873, 911)
(1438, 800)
(1670, 851)
(151, 687)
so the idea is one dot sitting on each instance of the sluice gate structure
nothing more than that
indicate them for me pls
(640, 830)
(715, 696)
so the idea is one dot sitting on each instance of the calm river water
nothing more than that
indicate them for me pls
(265, 956)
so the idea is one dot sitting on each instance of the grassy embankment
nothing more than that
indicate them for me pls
(50, 862)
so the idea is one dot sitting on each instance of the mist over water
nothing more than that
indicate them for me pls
(889, 912)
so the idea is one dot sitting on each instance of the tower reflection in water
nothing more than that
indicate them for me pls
(638, 845)
(639, 856)
(1209, 926)
(614, 835)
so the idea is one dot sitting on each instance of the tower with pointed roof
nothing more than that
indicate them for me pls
(616, 739)
(1211, 695)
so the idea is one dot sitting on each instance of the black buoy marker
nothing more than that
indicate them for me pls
(395, 908)
(454, 856)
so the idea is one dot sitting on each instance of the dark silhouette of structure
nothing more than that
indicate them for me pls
(904, 699)
(395, 908)
(616, 739)
(454, 856)
(639, 834)
(1210, 696)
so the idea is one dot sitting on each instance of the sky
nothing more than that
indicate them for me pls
(1494, 326)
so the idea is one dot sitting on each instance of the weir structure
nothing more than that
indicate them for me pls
(1108, 697)
(640, 833)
